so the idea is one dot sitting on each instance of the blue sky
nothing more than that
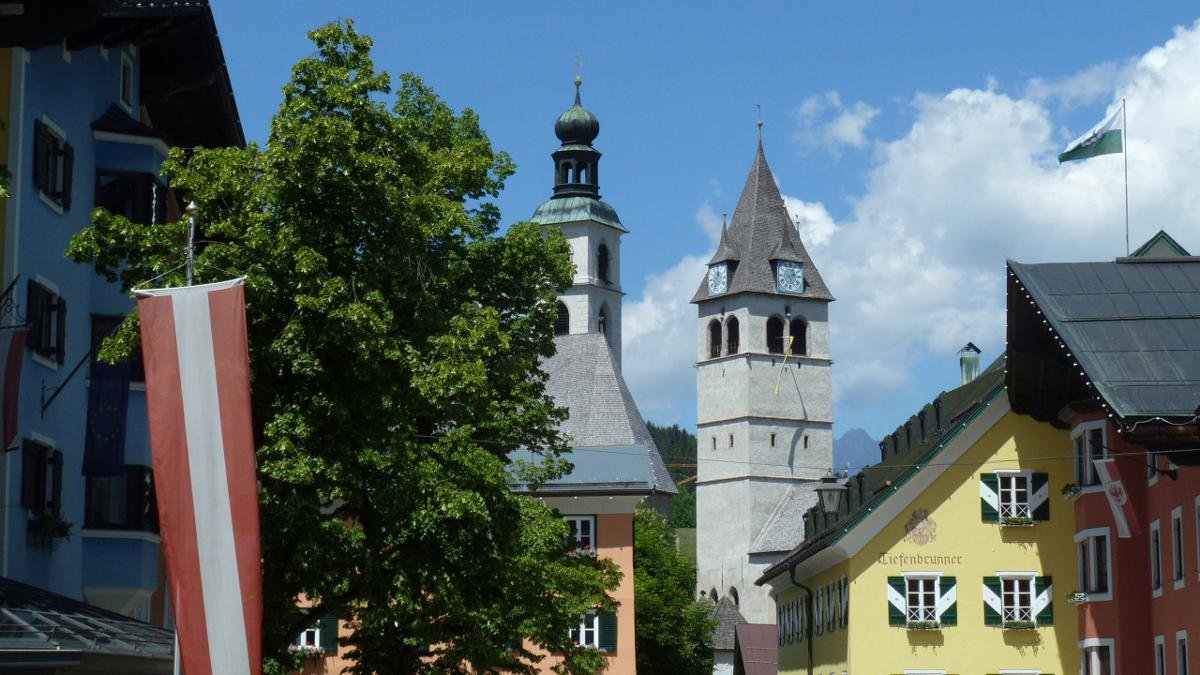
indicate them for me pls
(915, 143)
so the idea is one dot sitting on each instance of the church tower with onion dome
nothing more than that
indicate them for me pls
(593, 302)
(764, 399)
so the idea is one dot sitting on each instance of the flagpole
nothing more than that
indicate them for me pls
(1125, 155)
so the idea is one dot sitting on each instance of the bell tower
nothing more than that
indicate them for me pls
(593, 302)
(764, 396)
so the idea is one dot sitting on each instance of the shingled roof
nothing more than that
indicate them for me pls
(762, 231)
(612, 445)
(1133, 325)
(785, 526)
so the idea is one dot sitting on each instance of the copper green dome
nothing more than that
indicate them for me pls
(577, 124)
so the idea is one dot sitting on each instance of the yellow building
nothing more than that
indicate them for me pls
(950, 556)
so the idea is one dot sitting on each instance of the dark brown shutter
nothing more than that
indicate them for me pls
(68, 173)
(33, 314)
(60, 328)
(31, 487)
(41, 140)
(56, 466)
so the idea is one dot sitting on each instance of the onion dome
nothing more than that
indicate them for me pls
(577, 124)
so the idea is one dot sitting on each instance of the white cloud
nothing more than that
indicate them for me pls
(917, 265)
(847, 127)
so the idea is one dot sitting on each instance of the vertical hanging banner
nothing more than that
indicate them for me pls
(1118, 498)
(198, 399)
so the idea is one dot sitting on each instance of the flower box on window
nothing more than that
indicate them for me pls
(1077, 597)
(1019, 625)
(923, 625)
(1071, 491)
(307, 651)
(1016, 521)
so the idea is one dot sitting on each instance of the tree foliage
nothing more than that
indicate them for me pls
(395, 338)
(678, 446)
(674, 632)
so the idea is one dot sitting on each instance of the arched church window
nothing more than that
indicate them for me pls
(775, 335)
(732, 335)
(602, 260)
(798, 330)
(602, 320)
(581, 177)
(562, 323)
(734, 594)
(714, 339)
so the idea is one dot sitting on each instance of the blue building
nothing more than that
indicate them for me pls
(92, 93)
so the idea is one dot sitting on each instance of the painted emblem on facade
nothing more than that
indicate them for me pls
(1117, 491)
(920, 528)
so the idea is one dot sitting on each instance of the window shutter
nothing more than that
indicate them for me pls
(607, 635)
(845, 602)
(56, 467)
(328, 636)
(68, 168)
(34, 299)
(991, 601)
(60, 330)
(1039, 496)
(33, 482)
(947, 605)
(1043, 601)
(989, 493)
(40, 141)
(897, 602)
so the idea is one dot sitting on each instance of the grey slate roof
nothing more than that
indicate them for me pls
(612, 445)
(117, 121)
(1133, 325)
(784, 528)
(1161, 245)
(728, 619)
(762, 230)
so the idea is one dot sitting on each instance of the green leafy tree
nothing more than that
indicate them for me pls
(674, 632)
(678, 447)
(395, 338)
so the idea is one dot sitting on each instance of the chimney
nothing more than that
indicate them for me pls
(968, 362)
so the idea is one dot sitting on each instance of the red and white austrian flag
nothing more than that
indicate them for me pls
(1118, 498)
(198, 400)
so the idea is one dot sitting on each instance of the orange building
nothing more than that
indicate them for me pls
(1111, 351)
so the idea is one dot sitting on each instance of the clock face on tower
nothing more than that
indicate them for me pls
(789, 277)
(718, 279)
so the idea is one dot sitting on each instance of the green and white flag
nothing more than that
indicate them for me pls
(1103, 139)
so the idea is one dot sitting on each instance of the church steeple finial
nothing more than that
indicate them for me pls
(576, 162)
(758, 123)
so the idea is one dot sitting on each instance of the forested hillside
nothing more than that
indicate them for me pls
(678, 446)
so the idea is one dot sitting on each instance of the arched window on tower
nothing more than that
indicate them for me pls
(562, 324)
(714, 339)
(732, 335)
(583, 174)
(734, 594)
(602, 260)
(775, 335)
(602, 320)
(798, 331)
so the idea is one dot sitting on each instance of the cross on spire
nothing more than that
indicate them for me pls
(759, 122)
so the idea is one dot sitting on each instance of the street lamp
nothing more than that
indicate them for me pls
(830, 493)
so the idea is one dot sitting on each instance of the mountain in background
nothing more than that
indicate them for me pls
(856, 448)
(678, 446)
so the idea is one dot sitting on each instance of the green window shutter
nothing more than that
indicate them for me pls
(989, 494)
(897, 604)
(41, 141)
(1043, 600)
(948, 601)
(329, 628)
(1039, 502)
(607, 637)
(991, 601)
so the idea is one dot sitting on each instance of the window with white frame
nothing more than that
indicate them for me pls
(126, 92)
(1095, 561)
(1014, 494)
(1177, 546)
(1155, 558)
(53, 164)
(1160, 655)
(1097, 656)
(583, 532)
(587, 634)
(1151, 468)
(1089, 446)
(1181, 653)
(1016, 598)
(921, 598)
